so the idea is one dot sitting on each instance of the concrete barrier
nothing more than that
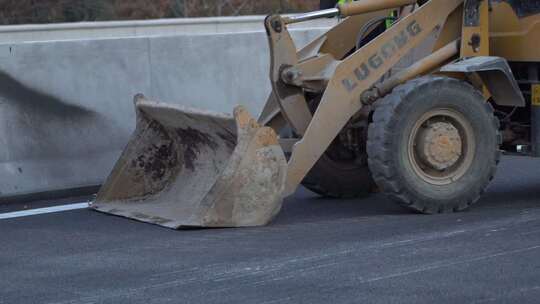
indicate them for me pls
(144, 28)
(66, 104)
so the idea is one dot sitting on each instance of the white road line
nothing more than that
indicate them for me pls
(54, 209)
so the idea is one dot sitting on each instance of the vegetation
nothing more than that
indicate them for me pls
(48, 11)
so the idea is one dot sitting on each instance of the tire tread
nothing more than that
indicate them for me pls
(385, 118)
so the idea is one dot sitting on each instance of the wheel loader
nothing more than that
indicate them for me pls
(342, 118)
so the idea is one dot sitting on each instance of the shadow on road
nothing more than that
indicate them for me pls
(517, 186)
(307, 206)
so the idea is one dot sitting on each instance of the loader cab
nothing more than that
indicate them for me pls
(326, 4)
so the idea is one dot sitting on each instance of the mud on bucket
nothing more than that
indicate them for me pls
(190, 168)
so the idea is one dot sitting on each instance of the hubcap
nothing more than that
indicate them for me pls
(441, 146)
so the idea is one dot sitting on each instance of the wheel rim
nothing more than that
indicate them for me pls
(441, 146)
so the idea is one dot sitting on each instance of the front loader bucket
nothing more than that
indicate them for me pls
(192, 168)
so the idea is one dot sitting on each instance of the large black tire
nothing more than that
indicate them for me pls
(392, 146)
(336, 177)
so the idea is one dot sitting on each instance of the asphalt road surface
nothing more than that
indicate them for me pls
(316, 251)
